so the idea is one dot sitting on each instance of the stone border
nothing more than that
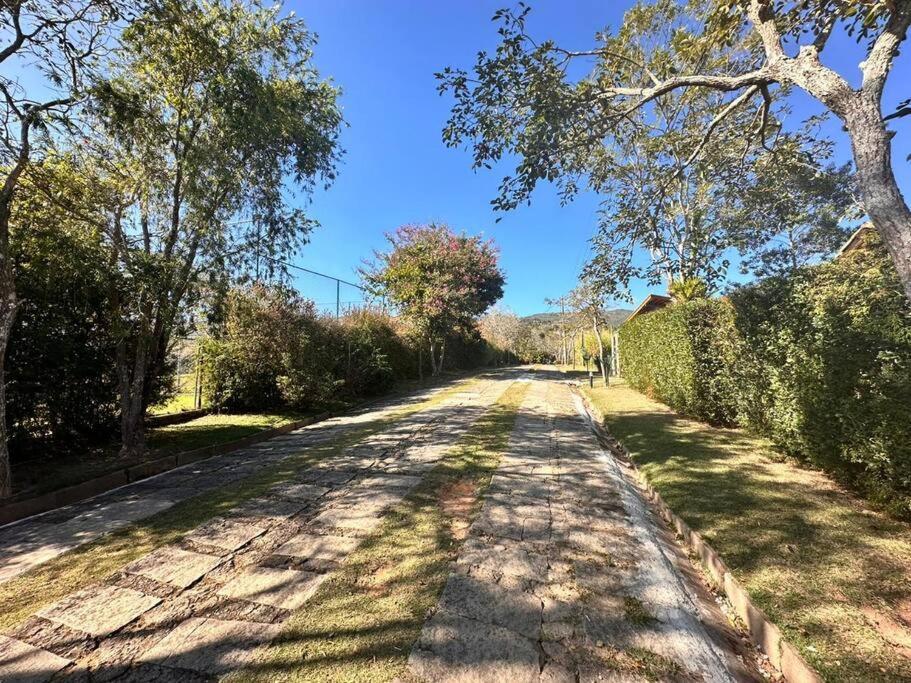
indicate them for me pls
(764, 634)
(176, 418)
(19, 510)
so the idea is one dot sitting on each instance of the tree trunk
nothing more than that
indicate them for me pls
(420, 362)
(600, 348)
(442, 354)
(871, 143)
(433, 359)
(132, 379)
(8, 306)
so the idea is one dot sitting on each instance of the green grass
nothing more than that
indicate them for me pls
(32, 478)
(90, 563)
(214, 429)
(820, 564)
(183, 399)
(362, 622)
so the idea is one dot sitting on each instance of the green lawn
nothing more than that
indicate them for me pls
(183, 399)
(34, 477)
(834, 575)
(214, 429)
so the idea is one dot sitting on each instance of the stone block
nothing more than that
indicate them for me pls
(174, 566)
(99, 610)
(283, 588)
(23, 663)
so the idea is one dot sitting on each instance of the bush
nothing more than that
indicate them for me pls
(275, 352)
(819, 362)
(824, 370)
(60, 368)
(681, 355)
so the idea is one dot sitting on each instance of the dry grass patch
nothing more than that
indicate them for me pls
(812, 556)
(362, 622)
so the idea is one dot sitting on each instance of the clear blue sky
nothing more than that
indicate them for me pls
(383, 54)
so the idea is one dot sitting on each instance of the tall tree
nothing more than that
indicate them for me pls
(440, 281)
(500, 328)
(521, 99)
(588, 299)
(210, 109)
(59, 42)
(797, 208)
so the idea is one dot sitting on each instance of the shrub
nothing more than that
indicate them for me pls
(681, 355)
(819, 362)
(824, 370)
(60, 369)
(275, 352)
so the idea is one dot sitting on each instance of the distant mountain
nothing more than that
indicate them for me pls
(613, 316)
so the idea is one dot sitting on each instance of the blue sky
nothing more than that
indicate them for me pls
(396, 170)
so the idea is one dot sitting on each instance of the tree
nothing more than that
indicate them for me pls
(587, 299)
(440, 281)
(797, 210)
(60, 40)
(60, 374)
(208, 108)
(500, 328)
(521, 99)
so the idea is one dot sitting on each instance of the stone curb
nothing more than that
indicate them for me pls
(764, 634)
(176, 418)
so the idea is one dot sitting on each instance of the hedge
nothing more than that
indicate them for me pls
(819, 362)
(679, 355)
(276, 353)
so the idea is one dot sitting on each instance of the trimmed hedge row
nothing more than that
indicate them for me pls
(818, 362)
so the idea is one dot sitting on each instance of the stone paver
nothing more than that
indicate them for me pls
(23, 663)
(227, 534)
(99, 610)
(210, 646)
(319, 547)
(199, 608)
(174, 566)
(283, 588)
(563, 576)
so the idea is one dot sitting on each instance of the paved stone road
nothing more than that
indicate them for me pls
(198, 609)
(34, 541)
(564, 575)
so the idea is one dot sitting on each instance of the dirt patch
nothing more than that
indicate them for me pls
(892, 631)
(903, 610)
(379, 582)
(457, 500)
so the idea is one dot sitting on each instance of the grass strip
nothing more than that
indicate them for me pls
(362, 622)
(835, 576)
(22, 596)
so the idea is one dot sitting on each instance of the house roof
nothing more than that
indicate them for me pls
(856, 240)
(651, 303)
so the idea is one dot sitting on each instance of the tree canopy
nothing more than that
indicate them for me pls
(526, 98)
(439, 280)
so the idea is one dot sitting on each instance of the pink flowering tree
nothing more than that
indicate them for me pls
(439, 281)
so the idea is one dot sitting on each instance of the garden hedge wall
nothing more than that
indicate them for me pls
(680, 356)
(819, 362)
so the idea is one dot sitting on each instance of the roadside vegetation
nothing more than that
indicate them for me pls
(361, 623)
(830, 572)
